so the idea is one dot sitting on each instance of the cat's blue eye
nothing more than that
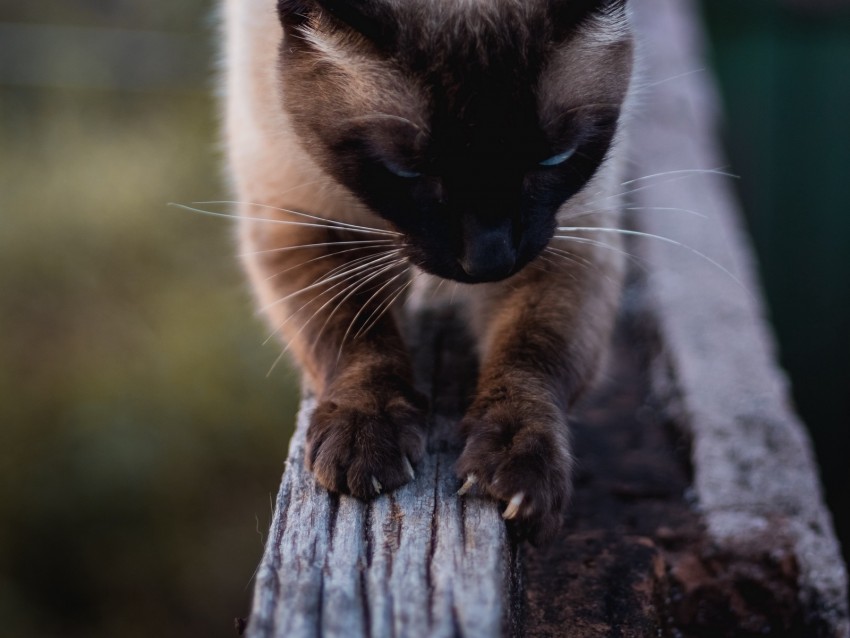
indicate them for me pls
(407, 174)
(558, 159)
(399, 171)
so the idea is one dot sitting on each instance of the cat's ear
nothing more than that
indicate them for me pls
(368, 17)
(365, 16)
(294, 12)
(569, 14)
(586, 6)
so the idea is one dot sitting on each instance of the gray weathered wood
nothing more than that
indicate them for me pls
(421, 562)
(754, 470)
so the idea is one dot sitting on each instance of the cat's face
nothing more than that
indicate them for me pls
(466, 124)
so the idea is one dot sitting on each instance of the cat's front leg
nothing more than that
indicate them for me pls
(542, 337)
(517, 451)
(328, 293)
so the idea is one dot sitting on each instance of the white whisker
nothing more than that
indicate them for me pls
(436, 289)
(346, 265)
(320, 257)
(670, 79)
(596, 211)
(669, 209)
(684, 171)
(594, 242)
(386, 116)
(364, 242)
(346, 277)
(333, 222)
(350, 289)
(545, 259)
(371, 277)
(362, 308)
(325, 280)
(667, 240)
(673, 176)
(572, 258)
(586, 263)
(329, 225)
(389, 304)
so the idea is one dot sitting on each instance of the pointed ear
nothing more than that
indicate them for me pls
(294, 12)
(569, 14)
(368, 17)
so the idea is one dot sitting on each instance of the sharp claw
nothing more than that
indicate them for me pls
(513, 507)
(471, 480)
(409, 469)
(377, 485)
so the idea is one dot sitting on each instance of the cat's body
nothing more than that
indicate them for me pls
(455, 129)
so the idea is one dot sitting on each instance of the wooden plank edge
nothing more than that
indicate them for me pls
(755, 475)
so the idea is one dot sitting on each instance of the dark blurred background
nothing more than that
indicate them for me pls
(142, 441)
(784, 72)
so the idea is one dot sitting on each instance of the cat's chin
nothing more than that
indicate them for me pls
(458, 274)
(465, 278)
(453, 269)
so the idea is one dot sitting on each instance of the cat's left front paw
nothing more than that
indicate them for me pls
(521, 458)
(363, 439)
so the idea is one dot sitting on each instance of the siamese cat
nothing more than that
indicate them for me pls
(376, 146)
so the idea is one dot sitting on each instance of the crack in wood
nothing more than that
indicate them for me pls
(462, 511)
(368, 538)
(364, 598)
(432, 543)
(333, 513)
(268, 591)
(320, 605)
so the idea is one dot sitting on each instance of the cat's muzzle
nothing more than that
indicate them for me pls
(489, 252)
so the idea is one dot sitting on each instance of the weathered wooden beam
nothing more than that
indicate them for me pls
(697, 510)
(417, 562)
(755, 477)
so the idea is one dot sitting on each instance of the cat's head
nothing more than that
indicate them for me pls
(464, 123)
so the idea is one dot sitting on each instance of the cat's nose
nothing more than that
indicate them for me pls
(489, 252)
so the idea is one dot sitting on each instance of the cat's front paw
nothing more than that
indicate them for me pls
(520, 457)
(364, 441)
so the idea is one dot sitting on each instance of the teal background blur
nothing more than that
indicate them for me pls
(140, 438)
(784, 71)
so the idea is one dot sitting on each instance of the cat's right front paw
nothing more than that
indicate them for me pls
(520, 457)
(364, 442)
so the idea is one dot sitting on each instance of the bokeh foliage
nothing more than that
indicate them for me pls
(141, 440)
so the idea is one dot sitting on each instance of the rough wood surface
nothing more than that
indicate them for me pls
(697, 511)
(755, 476)
(417, 562)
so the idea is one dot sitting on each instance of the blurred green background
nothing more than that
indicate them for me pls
(142, 441)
